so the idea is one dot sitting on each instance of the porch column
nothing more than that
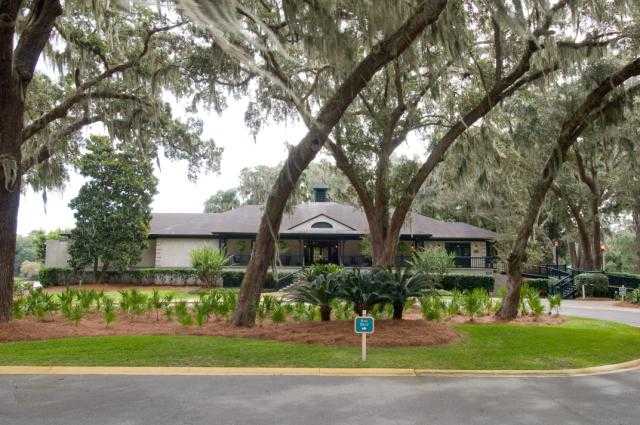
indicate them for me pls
(302, 250)
(340, 251)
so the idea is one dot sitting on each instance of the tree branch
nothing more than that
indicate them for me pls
(34, 37)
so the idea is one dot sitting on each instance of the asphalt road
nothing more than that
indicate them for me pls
(83, 400)
(603, 310)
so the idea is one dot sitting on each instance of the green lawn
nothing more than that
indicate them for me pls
(577, 343)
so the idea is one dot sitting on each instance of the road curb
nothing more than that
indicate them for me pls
(293, 371)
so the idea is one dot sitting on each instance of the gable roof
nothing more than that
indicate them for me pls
(351, 220)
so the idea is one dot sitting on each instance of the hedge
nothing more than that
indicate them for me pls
(53, 276)
(542, 285)
(596, 284)
(465, 282)
(629, 280)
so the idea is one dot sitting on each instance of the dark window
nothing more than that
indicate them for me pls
(322, 225)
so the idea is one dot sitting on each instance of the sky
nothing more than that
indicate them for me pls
(176, 193)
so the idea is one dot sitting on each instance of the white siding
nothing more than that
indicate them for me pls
(176, 252)
(57, 253)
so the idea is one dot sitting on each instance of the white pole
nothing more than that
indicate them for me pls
(583, 294)
(364, 340)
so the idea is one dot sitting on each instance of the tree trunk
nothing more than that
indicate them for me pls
(509, 307)
(301, 155)
(398, 309)
(636, 227)
(573, 255)
(9, 203)
(597, 233)
(586, 259)
(325, 313)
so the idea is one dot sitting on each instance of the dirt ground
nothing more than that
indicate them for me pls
(338, 333)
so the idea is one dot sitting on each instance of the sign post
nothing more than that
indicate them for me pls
(364, 325)
(623, 292)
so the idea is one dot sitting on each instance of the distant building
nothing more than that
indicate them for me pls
(314, 232)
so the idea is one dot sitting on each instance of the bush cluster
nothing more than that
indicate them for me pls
(596, 284)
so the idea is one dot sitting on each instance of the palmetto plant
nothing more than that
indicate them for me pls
(361, 289)
(278, 313)
(108, 310)
(155, 303)
(341, 310)
(554, 303)
(534, 302)
(86, 298)
(209, 264)
(321, 291)
(18, 308)
(399, 285)
(182, 314)
(474, 302)
(455, 303)
(433, 307)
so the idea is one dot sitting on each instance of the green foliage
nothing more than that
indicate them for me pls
(39, 304)
(76, 313)
(540, 285)
(596, 284)
(108, 311)
(475, 302)
(535, 302)
(634, 296)
(133, 302)
(320, 291)
(311, 272)
(18, 308)
(208, 263)
(278, 313)
(621, 252)
(342, 310)
(182, 313)
(112, 224)
(630, 280)
(433, 264)
(221, 201)
(362, 289)
(455, 303)
(399, 285)
(155, 302)
(554, 303)
(433, 307)
(464, 282)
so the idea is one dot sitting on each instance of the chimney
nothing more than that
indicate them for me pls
(320, 193)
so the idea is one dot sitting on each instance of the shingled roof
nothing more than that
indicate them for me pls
(346, 220)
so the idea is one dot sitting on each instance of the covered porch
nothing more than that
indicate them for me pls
(352, 251)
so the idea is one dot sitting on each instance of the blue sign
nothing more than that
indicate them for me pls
(364, 325)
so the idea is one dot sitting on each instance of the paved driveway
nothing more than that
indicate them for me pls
(84, 400)
(604, 310)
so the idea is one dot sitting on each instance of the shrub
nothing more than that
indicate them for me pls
(182, 314)
(474, 302)
(433, 307)
(320, 291)
(596, 283)
(630, 280)
(534, 301)
(540, 285)
(278, 314)
(399, 285)
(554, 303)
(361, 289)
(30, 269)
(433, 264)
(208, 264)
(155, 302)
(311, 272)
(341, 310)
(467, 282)
(108, 311)
(455, 304)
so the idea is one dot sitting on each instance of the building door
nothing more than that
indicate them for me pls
(321, 252)
(462, 251)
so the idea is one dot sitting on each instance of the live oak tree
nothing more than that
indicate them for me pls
(222, 200)
(607, 94)
(112, 210)
(107, 65)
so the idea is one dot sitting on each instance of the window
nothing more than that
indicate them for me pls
(322, 225)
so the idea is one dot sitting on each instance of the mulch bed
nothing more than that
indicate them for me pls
(388, 333)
